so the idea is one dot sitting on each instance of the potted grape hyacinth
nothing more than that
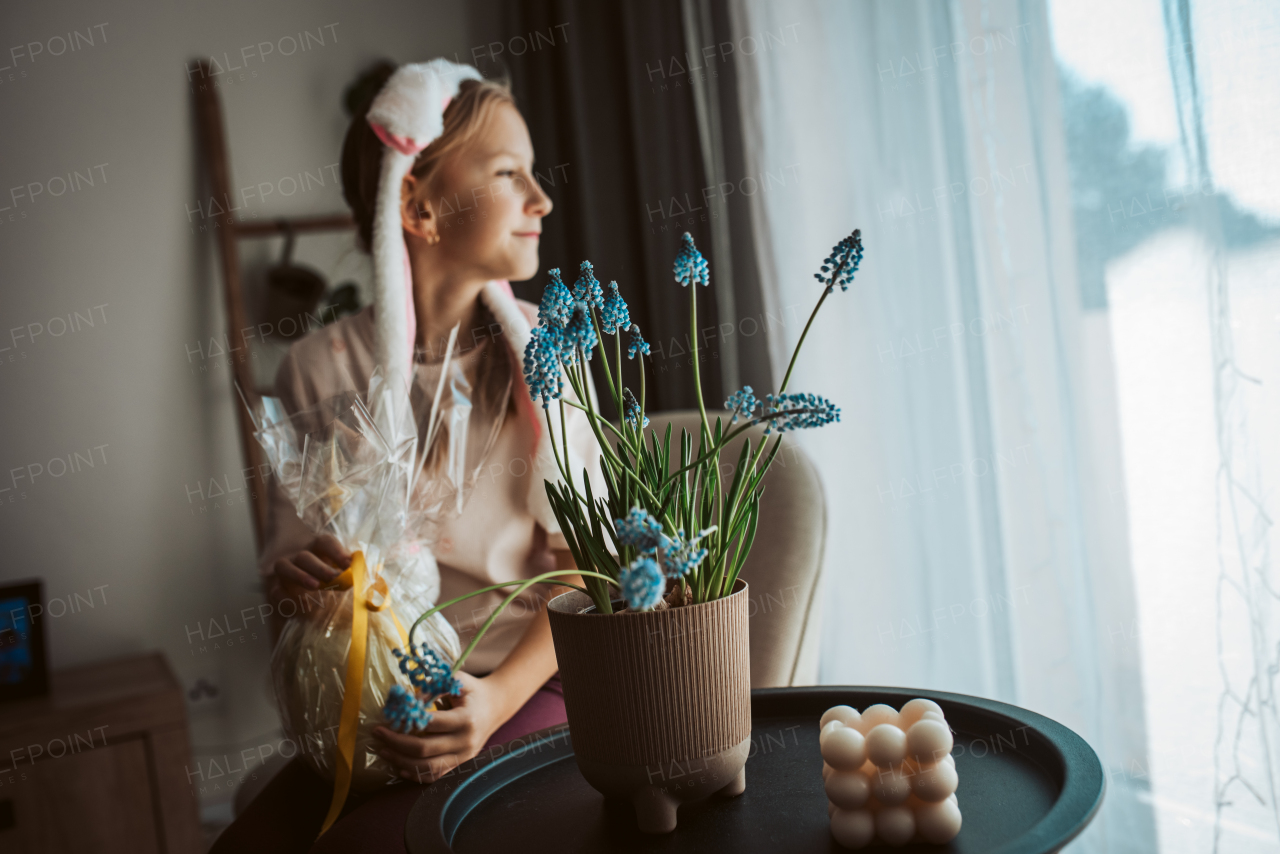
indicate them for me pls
(652, 647)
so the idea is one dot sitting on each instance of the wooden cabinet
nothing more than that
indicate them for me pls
(99, 764)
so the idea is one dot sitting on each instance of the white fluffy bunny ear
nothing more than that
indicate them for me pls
(407, 115)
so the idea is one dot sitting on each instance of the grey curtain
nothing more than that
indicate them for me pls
(625, 151)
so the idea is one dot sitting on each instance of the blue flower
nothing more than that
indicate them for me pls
(845, 258)
(642, 584)
(614, 314)
(681, 556)
(640, 529)
(404, 711)
(632, 407)
(690, 266)
(557, 302)
(428, 672)
(579, 333)
(742, 404)
(542, 364)
(638, 344)
(803, 411)
(587, 288)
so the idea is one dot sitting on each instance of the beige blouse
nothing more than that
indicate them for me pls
(495, 538)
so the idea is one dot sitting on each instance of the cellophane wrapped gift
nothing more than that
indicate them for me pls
(354, 467)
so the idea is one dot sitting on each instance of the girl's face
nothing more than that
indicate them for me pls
(485, 204)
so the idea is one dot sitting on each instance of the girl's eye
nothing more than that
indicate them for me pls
(507, 172)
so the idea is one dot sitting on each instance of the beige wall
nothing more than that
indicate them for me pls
(129, 533)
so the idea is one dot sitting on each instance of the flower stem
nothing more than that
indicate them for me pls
(437, 608)
(697, 373)
(795, 353)
(552, 440)
(615, 390)
(585, 395)
(717, 546)
(604, 422)
(828, 288)
(640, 359)
(525, 585)
(617, 355)
(564, 438)
(728, 437)
(608, 453)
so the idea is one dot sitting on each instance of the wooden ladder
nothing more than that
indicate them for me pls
(229, 233)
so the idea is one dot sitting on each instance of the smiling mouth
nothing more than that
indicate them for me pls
(534, 234)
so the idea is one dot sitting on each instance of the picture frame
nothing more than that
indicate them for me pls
(24, 670)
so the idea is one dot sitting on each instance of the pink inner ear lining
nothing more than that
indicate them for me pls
(402, 144)
(411, 314)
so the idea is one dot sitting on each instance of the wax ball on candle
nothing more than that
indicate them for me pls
(928, 741)
(853, 828)
(889, 774)
(940, 822)
(844, 749)
(848, 790)
(913, 709)
(891, 786)
(895, 825)
(876, 715)
(886, 745)
(935, 782)
(847, 715)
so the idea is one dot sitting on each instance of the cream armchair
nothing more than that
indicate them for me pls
(785, 564)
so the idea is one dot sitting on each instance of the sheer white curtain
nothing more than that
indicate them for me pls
(1221, 61)
(977, 542)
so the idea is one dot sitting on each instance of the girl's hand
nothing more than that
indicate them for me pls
(314, 565)
(453, 736)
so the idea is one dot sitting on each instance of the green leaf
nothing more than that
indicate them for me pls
(613, 535)
(666, 450)
(564, 520)
(768, 461)
(603, 559)
(591, 504)
(738, 471)
(745, 548)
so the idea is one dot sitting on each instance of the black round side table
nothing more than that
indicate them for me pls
(1028, 785)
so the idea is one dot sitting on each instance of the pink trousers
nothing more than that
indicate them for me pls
(287, 814)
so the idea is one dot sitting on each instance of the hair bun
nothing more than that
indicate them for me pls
(359, 94)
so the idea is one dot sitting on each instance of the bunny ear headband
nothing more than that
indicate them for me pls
(407, 115)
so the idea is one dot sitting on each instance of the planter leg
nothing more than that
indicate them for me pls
(655, 810)
(736, 786)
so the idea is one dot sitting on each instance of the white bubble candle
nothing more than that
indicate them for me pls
(889, 773)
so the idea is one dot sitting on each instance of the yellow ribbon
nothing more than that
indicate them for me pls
(353, 685)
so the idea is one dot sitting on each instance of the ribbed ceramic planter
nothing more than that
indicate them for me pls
(659, 702)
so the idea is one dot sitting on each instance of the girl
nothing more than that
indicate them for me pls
(468, 215)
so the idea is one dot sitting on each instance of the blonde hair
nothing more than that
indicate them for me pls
(465, 116)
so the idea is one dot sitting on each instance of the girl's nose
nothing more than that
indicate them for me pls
(539, 203)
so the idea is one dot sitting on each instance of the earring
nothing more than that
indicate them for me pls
(433, 239)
